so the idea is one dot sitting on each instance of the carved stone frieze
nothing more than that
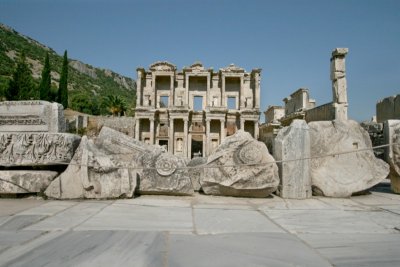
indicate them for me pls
(35, 149)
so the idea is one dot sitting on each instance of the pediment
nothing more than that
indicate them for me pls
(162, 66)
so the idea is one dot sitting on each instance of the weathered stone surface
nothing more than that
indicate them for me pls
(111, 167)
(392, 153)
(31, 116)
(36, 149)
(30, 181)
(230, 170)
(293, 142)
(196, 173)
(93, 173)
(344, 174)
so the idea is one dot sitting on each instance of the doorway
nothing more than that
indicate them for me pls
(197, 146)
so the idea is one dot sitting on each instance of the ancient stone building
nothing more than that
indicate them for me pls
(191, 111)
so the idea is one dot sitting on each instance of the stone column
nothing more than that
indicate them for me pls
(187, 90)
(242, 124)
(171, 136)
(137, 127)
(207, 145)
(223, 133)
(185, 138)
(257, 90)
(171, 94)
(223, 96)
(242, 99)
(256, 130)
(139, 88)
(293, 142)
(152, 131)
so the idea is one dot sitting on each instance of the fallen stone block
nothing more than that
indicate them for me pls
(343, 174)
(241, 166)
(116, 165)
(37, 149)
(196, 171)
(392, 153)
(292, 146)
(26, 181)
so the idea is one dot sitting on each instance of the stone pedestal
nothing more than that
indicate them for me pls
(291, 143)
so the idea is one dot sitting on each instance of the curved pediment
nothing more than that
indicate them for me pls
(162, 66)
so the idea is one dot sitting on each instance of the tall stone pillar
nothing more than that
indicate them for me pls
(171, 136)
(137, 127)
(152, 131)
(223, 133)
(185, 136)
(339, 83)
(207, 146)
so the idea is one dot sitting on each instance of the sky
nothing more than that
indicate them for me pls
(290, 40)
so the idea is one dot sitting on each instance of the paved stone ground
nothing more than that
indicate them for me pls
(202, 231)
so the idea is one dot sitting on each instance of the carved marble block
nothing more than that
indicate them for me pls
(343, 174)
(241, 166)
(37, 149)
(31, 116)
(391, 132)
(292, 144)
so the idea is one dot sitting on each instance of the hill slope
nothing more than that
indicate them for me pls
(87, 85)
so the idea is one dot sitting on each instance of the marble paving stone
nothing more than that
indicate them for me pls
(19, 222)
(345, 204)
(391, 208)
(375, 199)
(49, 208)
(248, 249)
(14, 206)
(12, 238)
(214, 221)
(334, 221)
(141, 218)
(357, 249)
(70, 217)
(97, 248)
(159, 201)
(223, 206)
(298, 204)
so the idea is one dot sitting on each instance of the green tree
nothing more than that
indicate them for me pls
(21, 86)
(114, 104)
(62, 96)
(45, 83)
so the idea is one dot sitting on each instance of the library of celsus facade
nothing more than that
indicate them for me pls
(191, 111)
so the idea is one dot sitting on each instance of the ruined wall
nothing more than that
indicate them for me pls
(388, 108)
(324, 112)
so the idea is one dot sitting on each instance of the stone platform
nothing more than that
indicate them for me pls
(203, 231)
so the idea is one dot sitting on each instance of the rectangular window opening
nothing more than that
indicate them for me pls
(198, 103)
(164, 101)
(232, 102)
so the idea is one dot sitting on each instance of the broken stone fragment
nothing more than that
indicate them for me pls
(196, 173)
(25, 181)
(241, 166)
(343, 174)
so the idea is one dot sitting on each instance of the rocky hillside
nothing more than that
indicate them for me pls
(87, 85)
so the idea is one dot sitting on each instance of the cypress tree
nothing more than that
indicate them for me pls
(62, 96)
(21, 86)
(45, 83)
